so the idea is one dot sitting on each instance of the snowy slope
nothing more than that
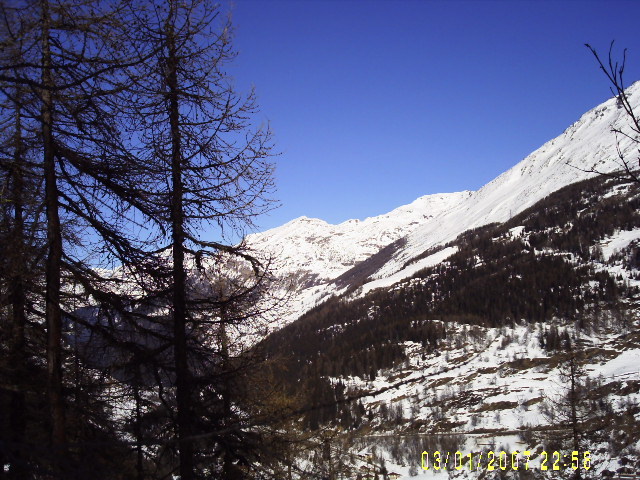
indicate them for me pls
(588, 144)
(311, 253)
(325, 251)
(483, 388)
(492, 389)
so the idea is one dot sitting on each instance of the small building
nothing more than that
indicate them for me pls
(365, 472)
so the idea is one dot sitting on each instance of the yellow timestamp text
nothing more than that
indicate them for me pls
(515, 460)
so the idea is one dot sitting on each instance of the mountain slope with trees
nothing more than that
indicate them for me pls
(516, 300)
(586, 149)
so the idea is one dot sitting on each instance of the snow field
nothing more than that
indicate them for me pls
(487, 385)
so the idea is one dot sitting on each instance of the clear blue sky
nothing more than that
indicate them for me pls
(375, 103)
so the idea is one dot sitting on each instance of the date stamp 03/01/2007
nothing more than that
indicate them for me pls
(515, 460)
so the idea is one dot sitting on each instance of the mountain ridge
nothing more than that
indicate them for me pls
(587, 146)
(317, 253)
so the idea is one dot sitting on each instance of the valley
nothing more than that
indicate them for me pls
(504, 322)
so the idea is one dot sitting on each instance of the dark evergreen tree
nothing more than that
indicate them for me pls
(209, 169)
(59, 65)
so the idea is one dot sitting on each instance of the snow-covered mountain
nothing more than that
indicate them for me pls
(308, 253)
(326, 251)
(586, 147)
(475, 354)
(499, 322)
(312, 253)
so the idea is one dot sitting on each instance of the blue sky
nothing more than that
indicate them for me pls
(375, 103)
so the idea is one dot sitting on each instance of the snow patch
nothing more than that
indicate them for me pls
(410, 270)
(618, 241)
(516, 232)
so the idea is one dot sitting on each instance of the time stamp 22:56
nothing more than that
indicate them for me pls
(515, 460)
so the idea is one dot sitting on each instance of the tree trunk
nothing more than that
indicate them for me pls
(17, 352)
(228, 467)
(179, 274)
(138, 426)
(54, 253)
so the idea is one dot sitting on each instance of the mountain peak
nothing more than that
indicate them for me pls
(305, 220)
(312, 248)
(320, 252)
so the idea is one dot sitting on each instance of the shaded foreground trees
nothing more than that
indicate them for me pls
(193, 133)
(53, 68)
(123, 140)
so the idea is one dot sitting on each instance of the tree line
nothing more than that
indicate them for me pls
(547, 276)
